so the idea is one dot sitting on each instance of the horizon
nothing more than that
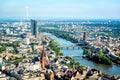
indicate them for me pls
(77, 9)
(58, 19)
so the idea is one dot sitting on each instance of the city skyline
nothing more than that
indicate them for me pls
(83, 9)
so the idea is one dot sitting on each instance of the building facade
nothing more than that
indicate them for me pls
(85, 36)
(34, 28)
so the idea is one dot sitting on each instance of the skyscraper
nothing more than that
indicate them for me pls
(34, 28)
(85, 36)
(0, 36)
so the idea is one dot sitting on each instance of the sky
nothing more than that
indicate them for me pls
(87, 9)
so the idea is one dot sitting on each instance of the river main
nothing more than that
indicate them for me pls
(112, 70)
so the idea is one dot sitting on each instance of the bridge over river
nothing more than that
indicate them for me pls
(74, 46)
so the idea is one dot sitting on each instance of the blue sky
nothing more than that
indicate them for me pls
(61, 8)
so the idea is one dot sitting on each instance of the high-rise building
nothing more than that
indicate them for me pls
(34, 27)
(0, 36)
(85, 36)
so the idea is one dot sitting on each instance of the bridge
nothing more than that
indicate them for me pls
(76, 55)
(69, 47)
(74, 46)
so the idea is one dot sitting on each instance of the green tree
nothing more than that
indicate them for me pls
(86, 52)
(101, 58)
(54, 46)
(3, 48)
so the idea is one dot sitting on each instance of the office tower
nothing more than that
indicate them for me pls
(34, 28)
(85, 36)
(0, 36)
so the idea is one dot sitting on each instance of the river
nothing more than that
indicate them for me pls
(112, 70)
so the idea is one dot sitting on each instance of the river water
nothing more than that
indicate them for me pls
(112, 70)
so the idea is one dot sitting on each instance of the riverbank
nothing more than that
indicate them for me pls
(98, 58)
(112, 70)
(61, 34)
(72, 64)
(69, 36)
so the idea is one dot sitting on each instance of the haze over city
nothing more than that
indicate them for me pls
(80, 9)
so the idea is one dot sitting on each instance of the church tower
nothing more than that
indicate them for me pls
(44, 58)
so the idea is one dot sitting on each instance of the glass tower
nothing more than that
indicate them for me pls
(34, 28)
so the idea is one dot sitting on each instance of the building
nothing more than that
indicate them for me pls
(85, 36)
(34, 28)
(27, 41)
(110, 39)
(78, 39)
(51, 76)
(44, 59)
(0, 36)
(7, 31)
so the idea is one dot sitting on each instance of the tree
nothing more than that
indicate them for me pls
(86, 52)
(101, 58)
(15, 51)
(54, 46)
(3, 48)
(76, 64)
(100, 52)
(69, 58)
(89, 46)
